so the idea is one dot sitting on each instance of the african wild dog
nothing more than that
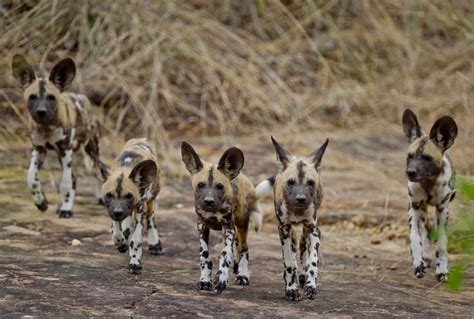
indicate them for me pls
(59, 121)
(130, 188)
(431, 181)
(298, 193)
(224, 200)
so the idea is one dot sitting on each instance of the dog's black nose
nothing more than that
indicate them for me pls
(300, 198)
(411, 173)
(41, 113)
(209, 201)
(117, 213)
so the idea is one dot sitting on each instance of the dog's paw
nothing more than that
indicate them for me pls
(310, 292)
(204, 285)
(292, 295)
(220, 286)
(135, 269)
(155, 249)
(242, 280)
(43, 206)
(420, 271)
(65, 213)
(442, 277)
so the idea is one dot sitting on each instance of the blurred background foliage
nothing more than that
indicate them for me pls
(461, 235)
(217, 67)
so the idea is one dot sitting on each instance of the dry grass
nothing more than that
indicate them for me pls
(197, 67)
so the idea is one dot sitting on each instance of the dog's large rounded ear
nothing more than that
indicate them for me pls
(23, 72)
(283, 156)
(63, 74)
(444, 132)
(317, 155)
(411, 127)
(144, 173)
(190, 158)
(231, 162)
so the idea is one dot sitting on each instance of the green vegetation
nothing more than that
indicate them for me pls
(461, 236)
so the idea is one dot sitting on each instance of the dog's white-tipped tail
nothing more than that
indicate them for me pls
(256, 217)
(265, 188)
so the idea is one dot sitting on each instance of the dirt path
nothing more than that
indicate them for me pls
(366, 270)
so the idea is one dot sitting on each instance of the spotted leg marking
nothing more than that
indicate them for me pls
(312, 261)
(288, 243)
(37, 158)
(135, 250)
(303, 257)
(154, 242)
(126, 226)
(68, 186)
(425, 237)
(442, 215)
(117, 236)
(243, 276)
(204, 258)
(236, 255)
(415, 212)
(222, 275)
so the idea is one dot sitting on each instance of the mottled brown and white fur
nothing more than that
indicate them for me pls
(224, 201)
(298, 193)
(431, 181)
(59, 121)
(129, 192)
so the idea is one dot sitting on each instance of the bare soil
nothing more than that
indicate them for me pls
(366, 261)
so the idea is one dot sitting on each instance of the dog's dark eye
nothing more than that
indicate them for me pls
(51, 97)
(129, 196)
(411, 155)
(109, 195)
(33, 97)
(291, 182)
(220, 186)
(311, 183)
(428, 158)
(201, 185)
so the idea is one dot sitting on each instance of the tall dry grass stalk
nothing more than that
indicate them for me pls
(162, 68)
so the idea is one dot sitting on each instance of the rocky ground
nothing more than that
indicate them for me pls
(366, 264)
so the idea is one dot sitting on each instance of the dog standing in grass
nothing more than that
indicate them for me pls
(224, 201)
(298, 193)
(59, 121)
(431, 181)
(129, 191)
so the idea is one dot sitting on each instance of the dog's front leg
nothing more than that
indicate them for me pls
(311, 266)
(68, 185)
(135, 251)
(118, 237)
(442, 215)
(225, 261)
(37, 158)
(288, 242)
(415, 213)
(204, 258)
